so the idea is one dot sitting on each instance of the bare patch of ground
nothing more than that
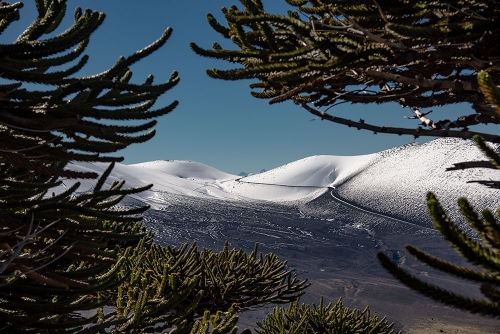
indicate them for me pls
(430, 326)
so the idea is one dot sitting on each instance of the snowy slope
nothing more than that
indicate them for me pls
(304, 179)
(398, 181)
(393, 181)
(184, 169)
(315, 171)
(187, 178)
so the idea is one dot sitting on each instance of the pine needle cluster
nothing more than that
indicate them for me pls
(330, 319)
(419, 54)
(482, 252)
(81, 261)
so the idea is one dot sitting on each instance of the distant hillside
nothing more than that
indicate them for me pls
(244, 174)
(393, 181)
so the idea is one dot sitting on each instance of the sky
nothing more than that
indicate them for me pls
(217, 123)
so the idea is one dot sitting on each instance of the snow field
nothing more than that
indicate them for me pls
(392, 182)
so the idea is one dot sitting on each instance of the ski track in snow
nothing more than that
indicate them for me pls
(356, 207)
(327, 215)
(391, 183)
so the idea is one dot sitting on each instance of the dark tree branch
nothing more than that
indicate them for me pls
(426, 83)
(372, 36)
(418, 132)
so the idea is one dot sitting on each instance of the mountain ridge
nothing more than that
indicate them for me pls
(327, 215)
(393, 181)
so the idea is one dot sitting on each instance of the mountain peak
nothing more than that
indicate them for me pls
(245, 174)
(384, 180)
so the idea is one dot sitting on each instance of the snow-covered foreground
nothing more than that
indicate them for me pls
(392, 182)
(327, 215)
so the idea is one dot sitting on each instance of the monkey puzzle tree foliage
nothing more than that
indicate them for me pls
(331, 319)
(79, 261)
(483, 254)
(419, 54)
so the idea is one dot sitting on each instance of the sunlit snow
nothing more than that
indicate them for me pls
(394, 180)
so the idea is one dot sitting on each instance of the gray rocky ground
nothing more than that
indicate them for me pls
(333, 244)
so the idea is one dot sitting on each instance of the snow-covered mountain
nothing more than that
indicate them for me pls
(394, 181)
(328, 215)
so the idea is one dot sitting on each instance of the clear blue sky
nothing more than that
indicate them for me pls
(217, 123)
